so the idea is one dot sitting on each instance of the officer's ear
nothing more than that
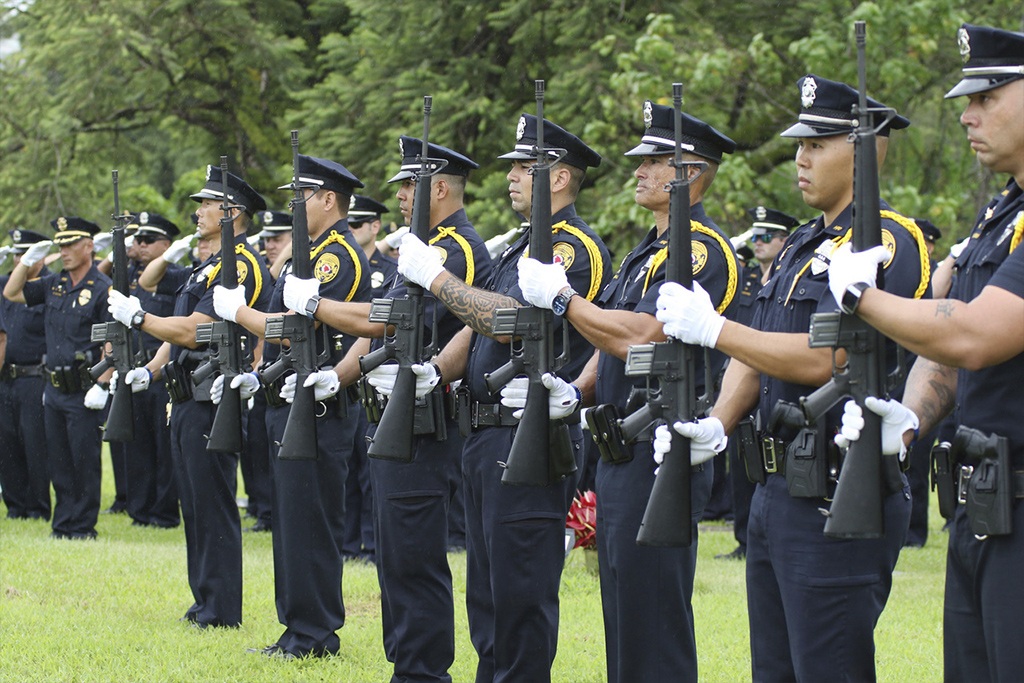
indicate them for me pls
(561, 177)
(439, 187)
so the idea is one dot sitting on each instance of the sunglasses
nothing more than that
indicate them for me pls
(146, 239)
(766, 238)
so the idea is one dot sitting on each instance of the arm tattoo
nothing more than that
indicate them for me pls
(942, 380)
(472, 305)
(945, 309)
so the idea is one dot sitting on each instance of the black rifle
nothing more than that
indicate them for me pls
(224, 339)
(856, 510)
(670, 367)
(393, 439)
(299, 440)
(541, 452)
(121, 418)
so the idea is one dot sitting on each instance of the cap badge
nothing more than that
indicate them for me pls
(648, 113)
(209, 171)
(521, 128)
(963, 39)
(62, 223)
(807, 93)
(401, 148)
(16, 235)
(352, 201)
(143, 218)
(762, 213)
(268, 217)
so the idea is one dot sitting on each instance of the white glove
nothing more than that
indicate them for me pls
(96, 398)
(139, 378)
(689, 316)
(499, 243)
(226, 302)
(123, 308)
(707, 439)
(849, 267)
(325, 384)
(178, 248)
(563, 397)
(541, 282)
(36, 252)
(382, 378)
(5, 252)
(102, 241)
(418, 262)
(253, 241)
(394, 239)
(897, 420)
(957, 248)
(298, 292)
(247, 383)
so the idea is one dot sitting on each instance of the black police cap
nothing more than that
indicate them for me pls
(325, 174)
(238, 191)
(362, 208)
(992, 58)
(929, 230)
(410, 148)
(22, 239)
(827, 109)
(577, 154)
(70, 229)
(153, 224)
(767, 220)
(275, 223)
(697, 137)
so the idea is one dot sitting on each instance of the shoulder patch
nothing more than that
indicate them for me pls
(889, 242)
(564, 254)
(242, 268)
(327, 267)
(698, 256)
(377, 279)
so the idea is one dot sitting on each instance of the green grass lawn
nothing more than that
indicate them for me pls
(108, 611)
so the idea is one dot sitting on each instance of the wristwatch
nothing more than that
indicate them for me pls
(137, 319)
(851, 297)
(561, 302)
(312, 304)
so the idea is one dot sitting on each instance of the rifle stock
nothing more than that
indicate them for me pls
(120, 425)
(395, 434)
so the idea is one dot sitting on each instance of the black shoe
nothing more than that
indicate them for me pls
(738, 554)
(261, 525)
(83, 536)
(275, 651)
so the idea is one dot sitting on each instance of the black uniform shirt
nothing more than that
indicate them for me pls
(71, 311)
(159, 303)
(26, 336)
(382, 271)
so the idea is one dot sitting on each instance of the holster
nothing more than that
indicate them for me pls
(990, 491)
(178, 381)
(373, 403)
(272, 390)
(749, 451)
(429, 415)
(807, 465)
(603, 421)
(462, 401)
(943, 480)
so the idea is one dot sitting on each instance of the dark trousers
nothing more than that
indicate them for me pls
(515, 551)
(411, 503)
(645, 591)
(719, 505)
(73, 445)
(152, 492)
(359, 540)
(255, 461)
(813, 601)
(981, 630)
(742, 492)
(919, 476)
(309, 529)
(24, 474)
(207, 482)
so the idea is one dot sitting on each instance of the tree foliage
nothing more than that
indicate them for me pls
(160, 88)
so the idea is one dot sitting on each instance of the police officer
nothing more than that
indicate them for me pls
(813, 601)
(255, 458)
(515, 536)
(769, 230)
(152, 495)
(75, 299)
(645, 591)
(364, 220)
(308, 502)
(979, 330)
(412, 500)
(24, 476)
(206, 480)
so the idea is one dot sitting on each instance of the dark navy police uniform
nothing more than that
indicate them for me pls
(515, 535)
(412, 501)
(24, 474)
(814, 601)
(207, 480)
(73, 434)
(308, 502)
(646, 591)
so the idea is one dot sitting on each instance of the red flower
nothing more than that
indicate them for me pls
(582, 519)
